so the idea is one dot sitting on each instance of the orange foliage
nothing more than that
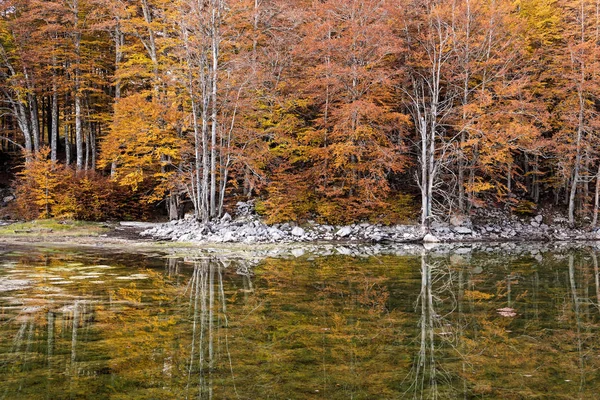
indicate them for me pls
(45, 189)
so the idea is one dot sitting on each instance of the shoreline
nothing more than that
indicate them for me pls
(247, 231)
(126, 238)
(251, 230)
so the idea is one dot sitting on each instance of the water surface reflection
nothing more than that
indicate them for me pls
(464, 324)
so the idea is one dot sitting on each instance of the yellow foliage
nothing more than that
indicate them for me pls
(477, 295)
(36, 188)
(142, 141)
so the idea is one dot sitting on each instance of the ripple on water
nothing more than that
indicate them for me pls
(132, 277)
(83, 277)
(8, 285)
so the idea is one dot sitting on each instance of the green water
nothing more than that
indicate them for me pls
(480, 324)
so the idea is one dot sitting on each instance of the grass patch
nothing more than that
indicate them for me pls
(54, 228)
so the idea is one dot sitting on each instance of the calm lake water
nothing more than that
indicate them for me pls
(506, 323)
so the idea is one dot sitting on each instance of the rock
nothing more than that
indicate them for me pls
(429, 238)
(376, 237)
(538, 219)
(535, 224)
(226, 218)
(345, 231)
(462, 230)
(8, 199)
(297, 231)
(229, 237)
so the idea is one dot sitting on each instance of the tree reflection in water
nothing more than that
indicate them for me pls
(335, 327)
(437, 331)
(209, 321)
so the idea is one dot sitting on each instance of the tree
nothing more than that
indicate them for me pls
(348, 139)
(37, 194)
(140, 145)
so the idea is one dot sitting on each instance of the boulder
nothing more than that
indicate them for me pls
(297, 231)
(345, 231)
(225, 218)
(229, 237)
(429, 238)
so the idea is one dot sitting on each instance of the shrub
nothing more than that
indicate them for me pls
(45, 189)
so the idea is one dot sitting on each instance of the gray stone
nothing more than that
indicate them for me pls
(225, 218)
(345, 231)
(229, 237)
(462, 230)
(376, 237)
(429, 238)
(539, 219)
(297, 231)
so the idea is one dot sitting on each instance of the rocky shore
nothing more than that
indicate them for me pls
(248, 228)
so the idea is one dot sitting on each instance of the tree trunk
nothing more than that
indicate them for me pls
(23, 122)
(596, 199)
(35, 122)
(575, 181)
(213, 134)
(536, 179)
(77, 89)
(54, 124)
(67, 146)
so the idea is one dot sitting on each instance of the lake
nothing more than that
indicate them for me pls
(491, 321)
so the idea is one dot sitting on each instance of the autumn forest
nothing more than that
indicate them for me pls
(332, 110)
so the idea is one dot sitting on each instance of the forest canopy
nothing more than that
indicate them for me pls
(336, 111)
